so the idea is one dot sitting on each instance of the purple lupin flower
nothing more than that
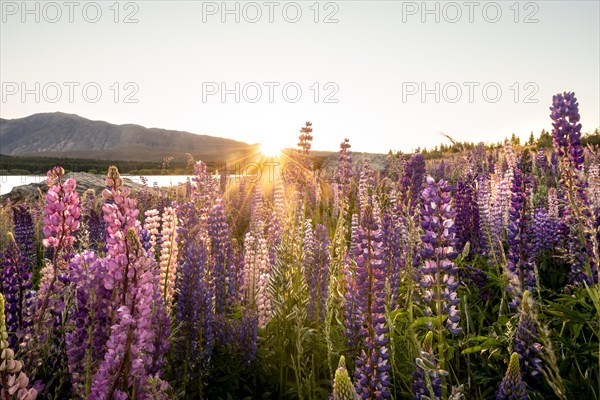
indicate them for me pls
(194, 306)
(441, 170)
(353, 234)
(412, 181)
(247, 336)
(25, 235)
(257, 210)
(520, 267)
(566, 135)
(467, 214)
(372, 377)
(352, 318)
(221, 262)
(315, 261)
(15, 284)
(541, 162)
(90, 322)
(500, 209)
(478, 278)
(512, 386)
(526, 345)
(366, 182)
(566, 132)
(393, 251)
(344, 169)
(487, 240)
(438, 272)
(304, 144)
(544, 230)
(277, 216)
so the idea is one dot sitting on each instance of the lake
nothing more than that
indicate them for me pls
(8, 182)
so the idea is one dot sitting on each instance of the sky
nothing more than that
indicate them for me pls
(385, 74)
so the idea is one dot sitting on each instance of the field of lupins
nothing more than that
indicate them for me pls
(474, 278)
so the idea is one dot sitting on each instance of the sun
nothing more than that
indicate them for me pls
(271, 149)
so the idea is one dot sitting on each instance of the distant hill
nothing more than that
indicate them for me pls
(71, 136)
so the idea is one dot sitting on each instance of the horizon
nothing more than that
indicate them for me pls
(487, 143)
(382, 86)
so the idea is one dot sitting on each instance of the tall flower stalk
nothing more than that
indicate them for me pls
(520, 267)
(438, 273)
(15, 283)
(372, 378)
(61, 221)
(566, 135)
(168, 254)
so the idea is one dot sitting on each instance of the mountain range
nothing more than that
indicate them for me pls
(71, 136)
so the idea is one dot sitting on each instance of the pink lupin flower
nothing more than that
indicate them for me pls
(61, 220)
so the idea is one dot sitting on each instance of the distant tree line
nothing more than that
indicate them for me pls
(23, 165)
(543, 141)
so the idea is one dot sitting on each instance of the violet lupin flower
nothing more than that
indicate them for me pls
(512, 386)
(526, 346)
(344, 170)
(479, 279)
(194, 307)
(372, 377)
(567, 130)
(315, 258)
(520, 267)
(393, 252)
(544, 230)
(438, 271)
(352, 318)
(247, 336)
(90, 328)
(221, 260)
(500, 209)
(15, 284)
(304, 145)
(277, 216)
(257, 210)
(412, 180)
(541, 162)
(467, 214)
(25, 235)
(566, 135)
(487, 240)
(366, 182)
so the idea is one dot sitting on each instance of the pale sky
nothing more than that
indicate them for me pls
(179, 53)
